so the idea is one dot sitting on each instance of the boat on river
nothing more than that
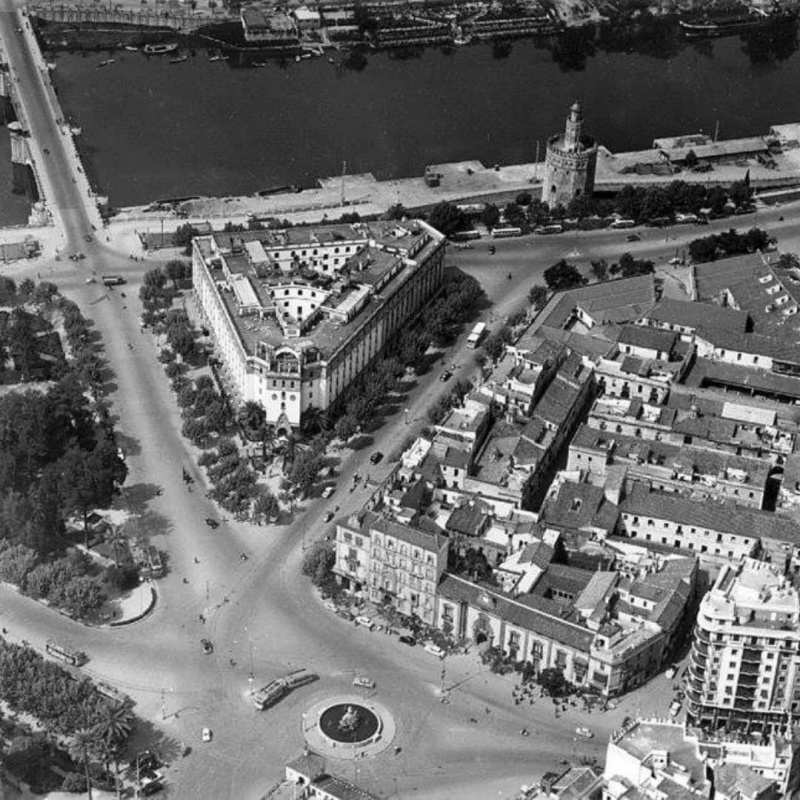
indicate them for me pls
(131, 49)
(106, 63)
(179, 60)
(160, 49)
(708, 25)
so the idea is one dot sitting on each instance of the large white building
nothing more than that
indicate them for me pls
(745, 663)
(297, 314)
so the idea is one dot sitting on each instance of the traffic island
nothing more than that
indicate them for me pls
(348, 727)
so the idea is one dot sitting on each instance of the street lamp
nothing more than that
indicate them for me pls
(406, 413)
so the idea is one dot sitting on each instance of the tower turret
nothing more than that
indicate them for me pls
(570, 162)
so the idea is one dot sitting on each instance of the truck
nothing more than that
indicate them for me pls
(474, 339)
(112, 280)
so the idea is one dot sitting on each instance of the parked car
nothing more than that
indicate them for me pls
(376, 457)
(633, 237)
(328, 491)
(670, 673)
(582, 730)
(151, 787)
(435, 650)
(212, 523)
(364, 682)
(207, 735)
(409, 640)
(208, 648)
(367, 622)
(675, 708)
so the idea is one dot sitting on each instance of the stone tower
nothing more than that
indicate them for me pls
(570, 162)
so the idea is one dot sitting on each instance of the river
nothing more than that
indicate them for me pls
(152, 129)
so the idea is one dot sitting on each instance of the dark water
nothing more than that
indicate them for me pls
(152, 129)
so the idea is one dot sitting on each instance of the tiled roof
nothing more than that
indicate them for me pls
(648, 338)
(693, 315)
(342, 789)
(456, 458)
(721, 517)
(706, 371)
(414, 537)
(517, 613)
(776, 347)
(466, 519)
(710, 279)
(621, 300)
(574, 507)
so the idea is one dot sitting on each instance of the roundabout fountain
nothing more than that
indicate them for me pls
(348, 727)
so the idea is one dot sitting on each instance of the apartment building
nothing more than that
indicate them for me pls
(687, 470)
(717, 533)
(734, 428)
(298, 314)
(654, 759)
(389, 562)
(744, 672)
(645, 363)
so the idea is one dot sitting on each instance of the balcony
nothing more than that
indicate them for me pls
(751, 655)
(750, 668)
(700, 659)
(748, 678)
(700, 647)
(701, 635)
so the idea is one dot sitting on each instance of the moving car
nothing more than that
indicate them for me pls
(207, 735)
(364, 682)
(376, 457)
(212, 523)
(445, 376)
(328, 516)
(409, 640)
(208, 648)
(492, 249)
(633, 237)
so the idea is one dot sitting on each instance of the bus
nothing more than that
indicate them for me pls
(475, 336)
(619, 224)
(113, 280)
(545, 230)
(465, 236)
(506, 232)
(69, 655)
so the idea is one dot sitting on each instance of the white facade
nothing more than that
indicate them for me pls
(297, 315)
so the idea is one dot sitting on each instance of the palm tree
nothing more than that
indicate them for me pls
(113, 726)
(114, 723)
(82, 748)
(252, 417)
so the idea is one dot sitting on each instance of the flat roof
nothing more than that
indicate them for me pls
(383, 256)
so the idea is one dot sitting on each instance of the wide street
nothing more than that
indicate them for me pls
(261, 613)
